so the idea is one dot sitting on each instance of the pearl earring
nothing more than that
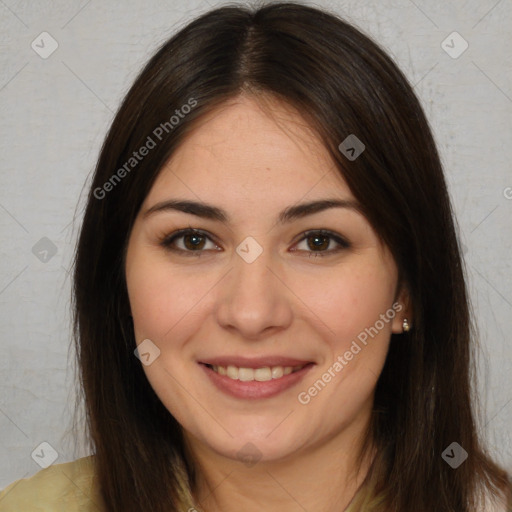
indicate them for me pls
(405, 325)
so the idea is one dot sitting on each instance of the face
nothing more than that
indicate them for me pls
(268, 322)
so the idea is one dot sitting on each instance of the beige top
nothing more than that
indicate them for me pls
(73, 487)
(65, 487)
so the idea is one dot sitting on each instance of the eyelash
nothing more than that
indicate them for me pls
(169, 240)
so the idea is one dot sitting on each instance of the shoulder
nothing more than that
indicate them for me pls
(69, 486)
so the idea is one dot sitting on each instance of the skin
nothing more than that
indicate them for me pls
(290, 301)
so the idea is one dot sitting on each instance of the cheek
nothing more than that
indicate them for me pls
(162, 301)
(350, 300)
(150, 290)
(148, 297)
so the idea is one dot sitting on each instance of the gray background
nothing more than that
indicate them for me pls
(56, 111)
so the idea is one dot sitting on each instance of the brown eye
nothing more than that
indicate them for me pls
(189, 242)
(320, 243)
(193, 241)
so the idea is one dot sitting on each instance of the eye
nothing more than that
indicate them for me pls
(193, 242)
(320, 242)
(190, 242)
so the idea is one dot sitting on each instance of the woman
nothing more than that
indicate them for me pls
(270, 305)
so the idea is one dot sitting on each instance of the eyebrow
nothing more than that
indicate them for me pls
(207, 211)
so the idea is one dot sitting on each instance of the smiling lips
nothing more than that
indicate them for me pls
(261, 369)
(257, 377)
(263, 374)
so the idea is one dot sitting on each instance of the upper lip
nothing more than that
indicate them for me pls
(254, 362)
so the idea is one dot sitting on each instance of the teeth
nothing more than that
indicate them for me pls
(232, 372)
(277, 372)
(259, 374)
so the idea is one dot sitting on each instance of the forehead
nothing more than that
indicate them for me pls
(251, 148)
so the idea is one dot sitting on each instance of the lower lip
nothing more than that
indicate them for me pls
(254, 389)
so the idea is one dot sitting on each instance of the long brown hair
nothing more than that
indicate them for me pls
(342, 83)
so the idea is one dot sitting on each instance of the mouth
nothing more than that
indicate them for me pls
(263, 374)
(254, 381)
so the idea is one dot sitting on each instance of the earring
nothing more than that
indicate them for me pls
(405, 325)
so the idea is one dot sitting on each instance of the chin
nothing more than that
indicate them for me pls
(251, 444)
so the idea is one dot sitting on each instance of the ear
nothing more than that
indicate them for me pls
(403, 309)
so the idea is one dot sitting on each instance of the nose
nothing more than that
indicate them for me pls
(254, 299)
